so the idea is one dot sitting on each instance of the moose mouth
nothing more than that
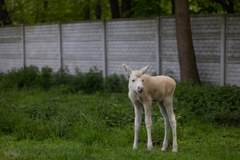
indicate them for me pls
(140, 90)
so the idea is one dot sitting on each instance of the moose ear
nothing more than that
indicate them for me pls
(144, 69)
(127, 69)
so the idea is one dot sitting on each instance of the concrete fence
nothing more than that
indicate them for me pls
(136, 42)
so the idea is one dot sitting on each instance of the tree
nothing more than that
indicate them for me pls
(86, 10)
(149, 8)
(98, 9)
(4, 15)
(173, 7)
(227, 5)
(187, 60)
(214, 6)
(126, 8)
(115, 8)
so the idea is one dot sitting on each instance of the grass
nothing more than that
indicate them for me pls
(58, 124)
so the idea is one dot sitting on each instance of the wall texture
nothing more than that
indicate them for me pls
(136, 42)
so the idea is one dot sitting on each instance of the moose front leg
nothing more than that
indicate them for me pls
(137, 124)
(148, 122)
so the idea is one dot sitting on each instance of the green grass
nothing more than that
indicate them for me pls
(57, 124)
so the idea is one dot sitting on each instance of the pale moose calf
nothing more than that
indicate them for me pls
(143, 89)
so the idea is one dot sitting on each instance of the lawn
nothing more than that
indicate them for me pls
(59, 124)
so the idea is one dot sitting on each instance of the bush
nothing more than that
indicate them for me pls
(45, 78)
(20, 78)
(115, 83)
(211, 103)
(28, 77)
(89, 82)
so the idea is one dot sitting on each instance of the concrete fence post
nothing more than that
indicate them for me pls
(23, 46)
(60, 43)
(223, 50)
(158, 43)
(104, 48)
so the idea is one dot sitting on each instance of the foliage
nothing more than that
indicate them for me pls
(116, 83)
(39, 124)
(35, 11)
(210, 103)
(39, 11)
(214, 6)
(205, 7)
(88, 82)
(20, 78)
(146, 8)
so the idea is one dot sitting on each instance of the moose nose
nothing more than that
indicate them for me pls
(139, 89)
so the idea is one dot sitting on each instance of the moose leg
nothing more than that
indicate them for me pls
(166, 128)
(148, 122)
(137, 124)
(172, 120)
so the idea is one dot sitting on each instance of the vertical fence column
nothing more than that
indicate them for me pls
(223, 50)
(60, 46)
(23, 46)
(157, 39)
(104, 48)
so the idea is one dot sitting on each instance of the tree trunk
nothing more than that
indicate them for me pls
(188, 67)
(230, 8)
(98, 10)
(173, 7)
(115, 8)
(87, 10)
(126, 8)
(4, 15)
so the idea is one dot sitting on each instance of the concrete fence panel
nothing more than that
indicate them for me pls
(11, 55)
(136, 42)
(41, 46)
(82, 46)
(233, 50)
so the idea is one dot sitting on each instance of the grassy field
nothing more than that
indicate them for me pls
(58, 124)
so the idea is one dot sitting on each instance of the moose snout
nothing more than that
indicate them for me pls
(139, 89)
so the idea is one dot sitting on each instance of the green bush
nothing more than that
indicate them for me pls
(115, 83)
(211, 103)
(89, 82)
(20, 78)
(45, 78)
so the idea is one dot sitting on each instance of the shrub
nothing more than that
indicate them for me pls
(20, 78)
(46, 78)
(211, 103)
(89, 82)
(115, 83)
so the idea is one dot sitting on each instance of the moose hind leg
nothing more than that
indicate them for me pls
(166, 126)
(172, 120)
